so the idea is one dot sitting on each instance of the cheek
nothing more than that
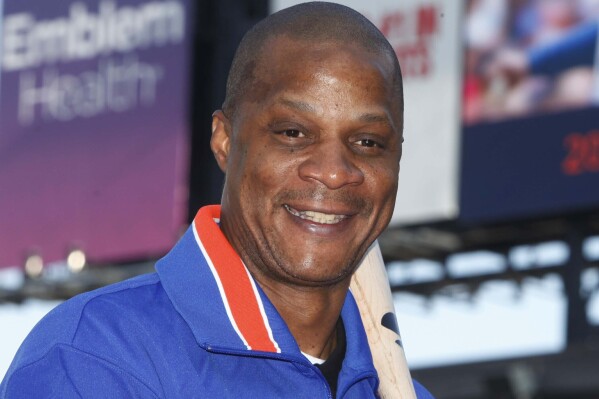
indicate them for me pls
(264, 173)
(386, 192)
(383, 181)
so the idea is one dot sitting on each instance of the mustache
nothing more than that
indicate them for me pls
(338, 197)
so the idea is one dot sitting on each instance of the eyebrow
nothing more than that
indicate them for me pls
(298, 105)
(305, 107)
(374, 118)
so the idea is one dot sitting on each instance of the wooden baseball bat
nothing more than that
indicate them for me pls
(370, 288)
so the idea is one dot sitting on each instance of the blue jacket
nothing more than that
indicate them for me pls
(198, 328)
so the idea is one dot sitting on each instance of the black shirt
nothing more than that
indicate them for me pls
(332, 366)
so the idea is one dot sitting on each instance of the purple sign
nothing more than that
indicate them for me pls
(93, 128)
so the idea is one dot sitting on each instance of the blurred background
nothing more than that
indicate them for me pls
(493, 250)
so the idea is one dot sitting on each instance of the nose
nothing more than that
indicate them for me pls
(331, 164)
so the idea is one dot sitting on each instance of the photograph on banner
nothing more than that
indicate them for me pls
(426, 36)
(93, 128)
(529, 57)
(530, 142)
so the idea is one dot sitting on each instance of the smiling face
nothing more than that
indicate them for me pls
(311, 159)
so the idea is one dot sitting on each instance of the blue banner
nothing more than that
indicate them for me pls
(530, 167)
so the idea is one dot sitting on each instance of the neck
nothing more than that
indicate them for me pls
(311, 313)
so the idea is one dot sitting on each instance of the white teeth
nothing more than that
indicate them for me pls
(318, 217)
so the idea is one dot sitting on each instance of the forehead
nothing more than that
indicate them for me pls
(287, 64)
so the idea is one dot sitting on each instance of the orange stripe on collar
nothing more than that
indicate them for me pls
(237, 288)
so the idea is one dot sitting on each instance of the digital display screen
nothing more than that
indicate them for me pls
(530, 114)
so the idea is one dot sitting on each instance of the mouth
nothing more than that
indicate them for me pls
(316, 217)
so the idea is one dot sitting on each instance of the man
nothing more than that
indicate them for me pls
(256, 292)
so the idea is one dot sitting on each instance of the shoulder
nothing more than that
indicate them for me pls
(66, 372)
(64, 323)
(98, 330)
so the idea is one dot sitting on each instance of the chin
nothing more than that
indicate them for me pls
(317, 275)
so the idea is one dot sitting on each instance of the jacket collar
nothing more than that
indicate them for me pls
(225, 308)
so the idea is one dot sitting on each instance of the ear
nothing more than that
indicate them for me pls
(220, 143)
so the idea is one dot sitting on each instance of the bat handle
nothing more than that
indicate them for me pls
(370, 288)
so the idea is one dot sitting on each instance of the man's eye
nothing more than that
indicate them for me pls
(292, 133)
(368, 143)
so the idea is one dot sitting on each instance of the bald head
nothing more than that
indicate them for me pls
(315, 22)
